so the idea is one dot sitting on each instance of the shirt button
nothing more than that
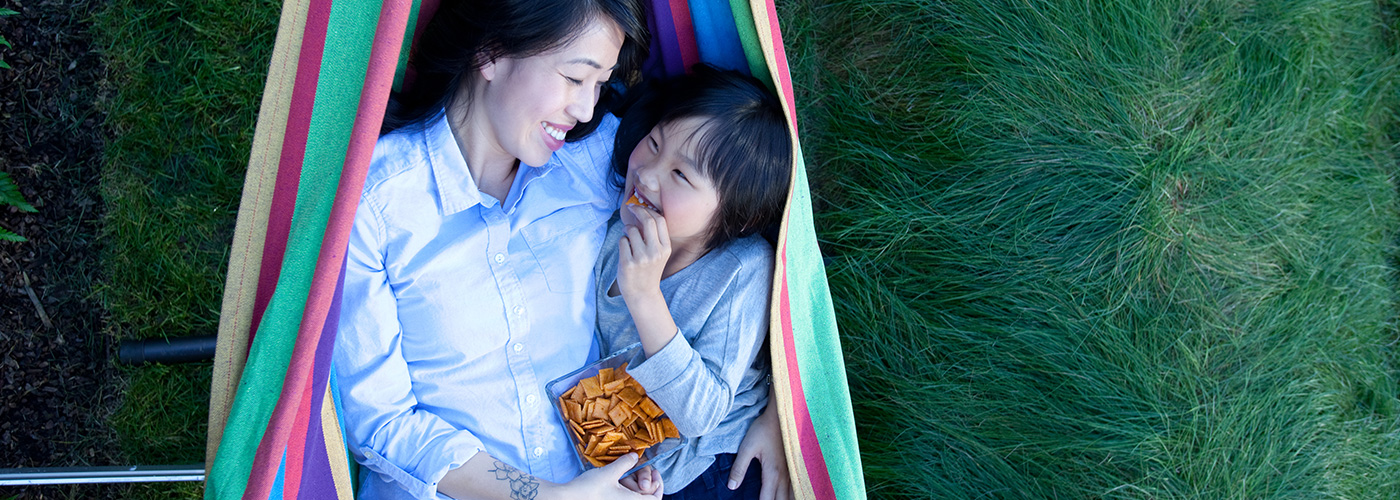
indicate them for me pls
(500, 257)
(518, 347)
(539, 451)
(519, 310)
(530, 399)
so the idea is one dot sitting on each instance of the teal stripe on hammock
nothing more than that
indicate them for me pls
(748, 39)
(343, 66)
(407, 47)
(818, 346)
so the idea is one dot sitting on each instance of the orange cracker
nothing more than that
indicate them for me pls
(591, 387)
(630, 395)
(650, 408)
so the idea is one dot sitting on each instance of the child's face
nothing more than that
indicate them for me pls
(663, 175)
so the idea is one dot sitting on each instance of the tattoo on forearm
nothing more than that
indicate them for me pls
(522, 486)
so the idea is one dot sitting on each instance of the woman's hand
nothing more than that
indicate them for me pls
(646, 481)
(764, 441)
(606, 482)
(642, 254)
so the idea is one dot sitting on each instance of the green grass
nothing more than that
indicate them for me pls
(1139, 249)
(187, 80)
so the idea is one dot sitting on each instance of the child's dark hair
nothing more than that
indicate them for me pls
(745, 150)
(463, 34)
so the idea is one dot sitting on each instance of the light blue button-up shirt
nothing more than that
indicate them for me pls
(458, 308)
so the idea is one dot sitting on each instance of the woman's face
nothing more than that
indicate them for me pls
(532, 102)
(662, 174)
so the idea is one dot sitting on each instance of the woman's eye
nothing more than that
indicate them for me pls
(574, 81)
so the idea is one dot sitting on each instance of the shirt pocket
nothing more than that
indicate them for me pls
(565, 244)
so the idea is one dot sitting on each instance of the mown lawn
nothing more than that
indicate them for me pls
(187, 79)
(1136, 249)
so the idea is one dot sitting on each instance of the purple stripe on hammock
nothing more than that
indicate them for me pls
(317, 481)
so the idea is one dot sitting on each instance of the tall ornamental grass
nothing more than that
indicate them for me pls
(1111, 249)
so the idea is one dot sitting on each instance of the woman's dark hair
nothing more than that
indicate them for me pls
(464, 34)
(745, 149)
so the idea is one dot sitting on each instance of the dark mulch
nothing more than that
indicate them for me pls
(57, 385)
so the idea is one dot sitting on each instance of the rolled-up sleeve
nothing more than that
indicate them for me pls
(676, 378)
(387, 431)
(695, 377)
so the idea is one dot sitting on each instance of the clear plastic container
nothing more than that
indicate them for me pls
(632, 356)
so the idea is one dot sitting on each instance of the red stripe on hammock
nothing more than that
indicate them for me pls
(685, 34)
(313, 43)
(780, 59)
(296, 446)
(817, 472)
(379, 80)
(806, 434)
(284, 194)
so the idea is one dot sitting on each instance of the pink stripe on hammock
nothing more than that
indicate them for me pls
(383, 62)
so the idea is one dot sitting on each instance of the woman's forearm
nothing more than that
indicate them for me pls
(485, 478)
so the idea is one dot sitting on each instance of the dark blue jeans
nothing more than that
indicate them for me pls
(713, 484)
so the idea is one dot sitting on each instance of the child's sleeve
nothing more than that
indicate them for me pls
(696, 376)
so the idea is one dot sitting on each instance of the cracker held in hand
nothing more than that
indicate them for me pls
(610, 415)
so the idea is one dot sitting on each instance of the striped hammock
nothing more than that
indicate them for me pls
(273, 427)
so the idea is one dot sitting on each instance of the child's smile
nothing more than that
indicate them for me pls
(662, 176)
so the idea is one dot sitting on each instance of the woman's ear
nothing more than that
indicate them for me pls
(488, 70)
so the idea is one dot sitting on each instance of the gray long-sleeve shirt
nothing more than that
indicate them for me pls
(709, 379)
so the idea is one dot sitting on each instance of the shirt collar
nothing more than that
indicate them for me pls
(455, 186)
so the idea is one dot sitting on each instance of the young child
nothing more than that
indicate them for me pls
(684, 271)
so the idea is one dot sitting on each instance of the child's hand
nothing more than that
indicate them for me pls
(646, 481)
(642, 254)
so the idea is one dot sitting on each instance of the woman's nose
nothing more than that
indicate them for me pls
(582, 101)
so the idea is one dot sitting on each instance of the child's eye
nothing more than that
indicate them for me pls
(651, 143)
(681, 175)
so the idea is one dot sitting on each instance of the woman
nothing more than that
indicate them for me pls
(468, 277)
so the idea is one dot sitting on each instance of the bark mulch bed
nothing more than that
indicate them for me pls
(58, 385)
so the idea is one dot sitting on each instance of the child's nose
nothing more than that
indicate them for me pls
(647, 177)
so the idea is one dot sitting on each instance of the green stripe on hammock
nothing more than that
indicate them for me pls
(343, 66)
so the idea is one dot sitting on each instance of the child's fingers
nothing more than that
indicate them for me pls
(631, 483)
(657, 486)
(634, 236)
(646, 222)
(644, 481)
(663, 235)
(624, 250)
